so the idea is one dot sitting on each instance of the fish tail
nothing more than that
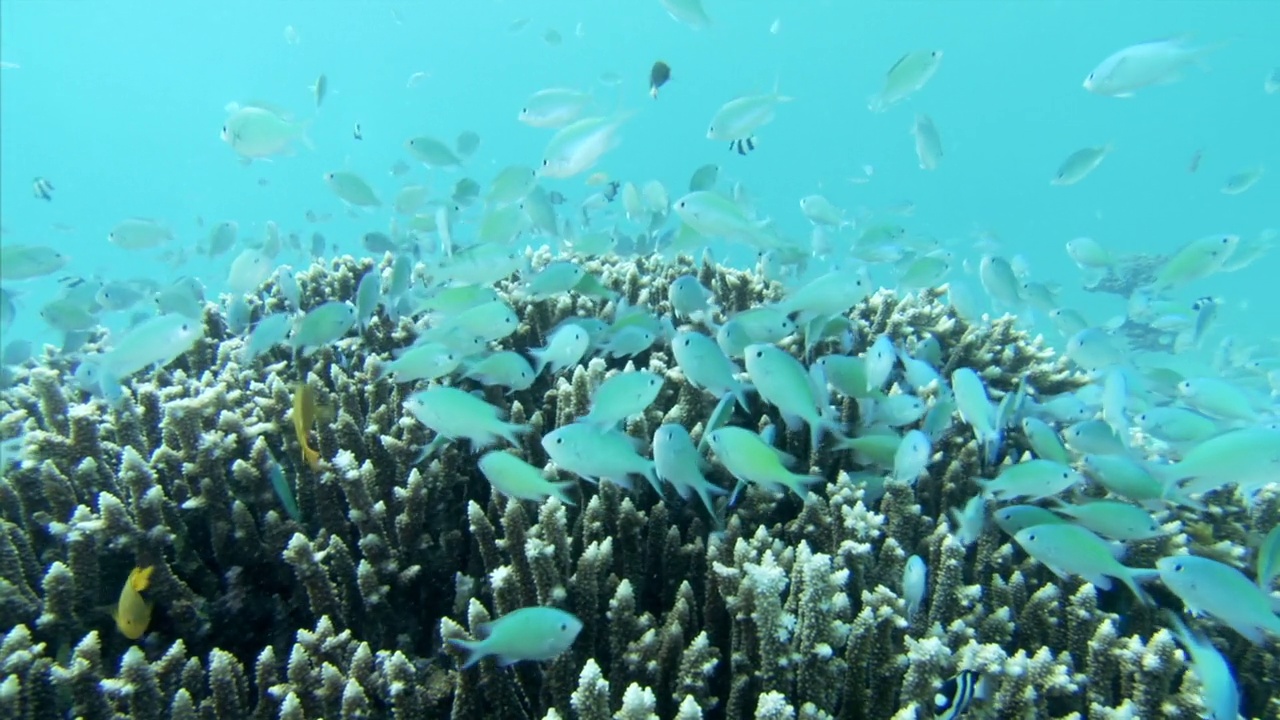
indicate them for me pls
(473, 649)
(140, 578)
(560, 491)
(310, 456)
(800, 484)
(304, 135)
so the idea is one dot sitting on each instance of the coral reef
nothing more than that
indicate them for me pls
(791, 611)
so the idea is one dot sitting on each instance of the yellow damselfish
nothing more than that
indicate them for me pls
(133, 612)
(304, 416)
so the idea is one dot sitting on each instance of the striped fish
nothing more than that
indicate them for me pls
(956, 694)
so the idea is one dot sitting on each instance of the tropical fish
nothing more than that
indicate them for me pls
(516, 478)
(1130, 69)
(908, 75)
(1218, 691)
(677, 461)
(928, 142)
(750, 459)
(659, 74)
(256, 133)
(457, 414)
(304, 416)
(25, 262)
(596, 454)
(737, 120)
(1213, 588)
(1068, 549)
(530, 633)
(132, 612)
(621, 396)
(957, 694)
(554, 108)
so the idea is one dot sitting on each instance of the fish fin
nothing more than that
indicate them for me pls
(140, 578)
(304, 135)
(560, 490)
(472, 647)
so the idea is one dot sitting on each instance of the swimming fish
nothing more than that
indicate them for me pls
(577, 147)
(915, 576)
(132, 612)
(659, 74)
(705, 365)
(25, 262)
(516, 478)
(596, 454)
(783, 382)
(42, 188)
(1196, 260)
(1079, 164)
(928, 142)
(678, 462)
(352, 189)
(457, 414)
(1068, 549)
(621, 396)
(506, 368)
(554, 108)
(1209, 587)
(1130, 69)
(530, 633)
(304, 416)
(565, 347)
(737, 120)
(1031, 479)
(256, 133)
(689, 12)
(908, 75)
(139, 234)
(432, 153)
(957, 694)
(750, 459)
(1218, 690)
(283, 488)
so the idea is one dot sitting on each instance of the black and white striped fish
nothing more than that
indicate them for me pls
(956, 694)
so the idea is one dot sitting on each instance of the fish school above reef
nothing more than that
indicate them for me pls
(296, 542)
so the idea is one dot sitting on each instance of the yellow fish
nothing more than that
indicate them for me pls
(133, 613)
(598, 178)
(304, 416)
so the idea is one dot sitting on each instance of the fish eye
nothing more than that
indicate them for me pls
(759, 353)
(564, 626)
(686, 342)
(544, 163)
(1177, 567)
(1032, 537)
(559, 441)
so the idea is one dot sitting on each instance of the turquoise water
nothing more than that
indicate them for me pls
(119, 105)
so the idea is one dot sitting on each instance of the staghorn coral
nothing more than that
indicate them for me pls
(789, 612)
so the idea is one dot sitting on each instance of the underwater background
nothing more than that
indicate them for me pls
(122, 102)
(360, 574)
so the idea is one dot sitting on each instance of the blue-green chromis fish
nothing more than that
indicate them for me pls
(1068, 549)
(531, 633)
(678, 462)
(1213, 588)
(516, 478)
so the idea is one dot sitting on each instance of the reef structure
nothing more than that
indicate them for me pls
(793, 610)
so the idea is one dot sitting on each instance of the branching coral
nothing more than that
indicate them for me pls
(791, 611)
